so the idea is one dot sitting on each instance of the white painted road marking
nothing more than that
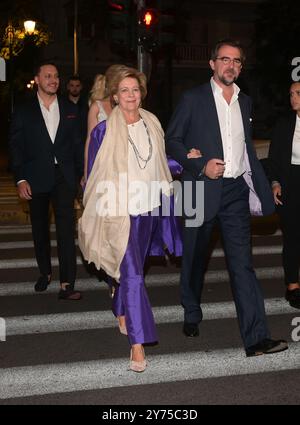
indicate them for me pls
(64, 322)
(95, 375)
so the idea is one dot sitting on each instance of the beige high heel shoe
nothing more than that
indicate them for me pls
(122, 327)
(137, 366)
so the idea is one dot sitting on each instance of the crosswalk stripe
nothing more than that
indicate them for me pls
(27, 263)
(62, 322)
(95, 375)
(25, 229)
(18, 230)
(152, 280)
(24, 244)
(217, 253)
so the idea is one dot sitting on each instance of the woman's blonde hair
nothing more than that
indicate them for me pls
(98, 91)
(119, 74)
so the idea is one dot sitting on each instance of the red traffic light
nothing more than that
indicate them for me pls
(148, 18)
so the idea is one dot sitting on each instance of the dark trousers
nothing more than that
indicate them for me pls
(62, 200)
(234, 221)
(289, 218)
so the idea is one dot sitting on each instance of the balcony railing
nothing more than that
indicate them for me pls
(192, 53)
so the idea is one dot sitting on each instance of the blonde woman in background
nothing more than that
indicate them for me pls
(99, 110)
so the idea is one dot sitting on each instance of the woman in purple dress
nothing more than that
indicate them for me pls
(122, 222)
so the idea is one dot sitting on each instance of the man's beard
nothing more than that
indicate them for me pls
(49, 93)
(223, 79)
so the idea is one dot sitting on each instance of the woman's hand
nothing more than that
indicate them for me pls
(194, 153)
(83, 182)
(277, 193)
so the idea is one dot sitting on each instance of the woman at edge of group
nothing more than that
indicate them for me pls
(99, 110)
(132, 143)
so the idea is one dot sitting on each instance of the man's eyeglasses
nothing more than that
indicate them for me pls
(227, 61)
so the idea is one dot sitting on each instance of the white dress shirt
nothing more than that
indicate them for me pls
(51, 117)
(232, 130)
(296, 144)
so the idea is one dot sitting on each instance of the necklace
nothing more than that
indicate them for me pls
(142, 162)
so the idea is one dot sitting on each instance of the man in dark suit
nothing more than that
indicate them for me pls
(75, 95)
(210, 136)
(47, 161)
(284, 170)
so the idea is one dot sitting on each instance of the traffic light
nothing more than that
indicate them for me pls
(121, 23)
(148, 29)
(148, 18)
(167, 22)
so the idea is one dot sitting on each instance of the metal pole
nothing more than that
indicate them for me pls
(76, 60)
(11, 82)
(141, 54)
(10, 36)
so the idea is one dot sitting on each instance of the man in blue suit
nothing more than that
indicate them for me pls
(210, 136)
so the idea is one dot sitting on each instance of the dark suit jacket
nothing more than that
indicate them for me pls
(280, 152)
(83, 110)
(32, 151)
(195, 125)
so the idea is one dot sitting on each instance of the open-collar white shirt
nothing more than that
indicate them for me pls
(296, 143)
(232, 130)
(51, 117)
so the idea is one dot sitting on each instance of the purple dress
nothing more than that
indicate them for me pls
(149, 235)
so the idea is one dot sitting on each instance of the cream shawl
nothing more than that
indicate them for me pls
(103, 239)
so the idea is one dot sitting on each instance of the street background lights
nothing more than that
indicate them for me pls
(14, 40)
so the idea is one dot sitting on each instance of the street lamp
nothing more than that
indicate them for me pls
(29, 27)
(14, 39)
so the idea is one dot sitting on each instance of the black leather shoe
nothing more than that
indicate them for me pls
(190, 329)
(293, 297)
(69, 294)
(41, 284)
(266, 346)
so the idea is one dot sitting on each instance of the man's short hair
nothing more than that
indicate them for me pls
(74, 77)
(45, 62)
(227, 42)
